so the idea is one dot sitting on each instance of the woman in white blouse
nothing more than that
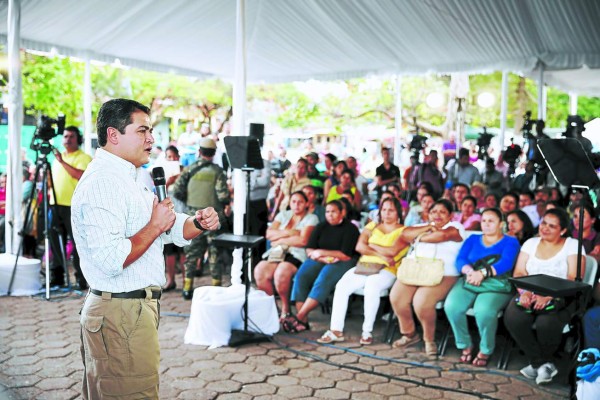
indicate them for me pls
(553, 253)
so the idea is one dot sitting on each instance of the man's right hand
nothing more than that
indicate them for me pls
(163, 214)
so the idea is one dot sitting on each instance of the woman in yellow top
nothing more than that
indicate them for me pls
(346, 184)
(381, 247)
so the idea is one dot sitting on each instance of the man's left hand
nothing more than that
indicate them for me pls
(208, 219)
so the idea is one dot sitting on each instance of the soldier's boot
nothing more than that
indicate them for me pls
(188, 288)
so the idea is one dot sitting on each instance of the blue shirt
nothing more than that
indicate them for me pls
(474, 249)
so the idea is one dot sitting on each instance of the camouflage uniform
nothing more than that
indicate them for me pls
(202, 184)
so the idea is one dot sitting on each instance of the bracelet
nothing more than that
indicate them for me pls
(484, 272)
(197, 224)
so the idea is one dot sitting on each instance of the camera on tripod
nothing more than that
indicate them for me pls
(418, 143)
(527, 125)
(483, 143)
(575, 126)
(45, 132)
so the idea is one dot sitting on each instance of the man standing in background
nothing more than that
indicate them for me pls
(66, 172)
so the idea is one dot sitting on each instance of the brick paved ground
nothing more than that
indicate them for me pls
(39, 359)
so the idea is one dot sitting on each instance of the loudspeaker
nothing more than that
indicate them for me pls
(258, 131)
(243, 152)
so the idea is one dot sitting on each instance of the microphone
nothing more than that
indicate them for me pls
(158, 176)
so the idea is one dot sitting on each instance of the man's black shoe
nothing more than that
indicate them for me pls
(57, 281)
(81, 285)
(188, 294)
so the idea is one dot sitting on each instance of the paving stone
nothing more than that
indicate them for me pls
(262, 359)
(329, 350)
(271, 370)
(280, 353)
(463, 396)
(258, 389)
(56, 383)
(367, 396)
(478, 386)
(187, 384)
(457, 376)
(424, 392)
(492, 378)
(54, 353)
(270, 397)
(235, 396)
(352, 386)
(305, 372)
(231, 358)
(343, 359)
(388, 389)
(213, 375)
(370, 379)
(372, 361)
(321, 366)
(23, 343)
(26, 360)
(318, 383)
(168, 392)
(239, 367)
(391, 369)
(21, 369)
(207, 364)
(198, 395)
(21, 381)
(61, 394)
(224, 386)
(331, 394)
(253, 350)
(182, 372)
(423, 373)
(282, 381)
(249, 377)
(23, 351)
(444, 382)
(338, 374)
(295, 363)
(295, 392)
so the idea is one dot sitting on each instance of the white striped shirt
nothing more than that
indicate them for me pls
(109, 206)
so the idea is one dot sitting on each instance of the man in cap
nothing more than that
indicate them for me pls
(203, 184)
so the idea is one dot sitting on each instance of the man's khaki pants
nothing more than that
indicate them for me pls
(119, 347)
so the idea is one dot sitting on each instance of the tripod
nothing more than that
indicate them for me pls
(42, 171)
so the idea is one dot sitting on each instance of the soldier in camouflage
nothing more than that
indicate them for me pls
(203, 184)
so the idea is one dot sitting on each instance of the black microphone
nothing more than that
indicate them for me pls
(158, 176)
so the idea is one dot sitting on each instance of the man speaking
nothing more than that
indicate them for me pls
(119, 227)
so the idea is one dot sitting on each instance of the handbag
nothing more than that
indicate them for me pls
(277, 253)
(490, 285)
(421, 271)
(368, 268)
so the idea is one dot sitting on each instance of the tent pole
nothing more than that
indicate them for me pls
(503, 108)
(572, 103)
(398, 120)
(541, 103)
(239, 129)
(87, 104)
(15, 122)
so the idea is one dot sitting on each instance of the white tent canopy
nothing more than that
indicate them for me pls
(323, 39)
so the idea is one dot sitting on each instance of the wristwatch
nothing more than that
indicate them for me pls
(197, 224)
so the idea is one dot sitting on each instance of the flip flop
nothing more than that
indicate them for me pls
(330, 337)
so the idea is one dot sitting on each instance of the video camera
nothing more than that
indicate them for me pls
(527, 125)
(45, 132)
(418, 143)
(511, 154)
(483, 142)
(575, 126)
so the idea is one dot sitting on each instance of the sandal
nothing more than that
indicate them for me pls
(466, 356)
(406, 340)
(481, 360)
(431, 349)
(366, 339)
(294, 325)
(330, 337)
(284, 316)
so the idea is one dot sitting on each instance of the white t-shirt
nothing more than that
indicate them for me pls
(556, 266)
(447, 251)
(308, 220)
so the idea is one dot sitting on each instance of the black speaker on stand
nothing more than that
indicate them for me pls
(244, 153)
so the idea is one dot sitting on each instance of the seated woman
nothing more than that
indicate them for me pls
(467, 216)
(509, 202)
(441, 238)
(519, 226)
(339, 166)
(591, 238)
(374, 214)
(419, 214)
(346, 184)
(553, 254)
(291, 228)
(331, 254)
(314, 206)
(486, 302)
(380, 244)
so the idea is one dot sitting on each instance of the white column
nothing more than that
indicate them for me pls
(541, 103)
(239, 129)
(15, 122)
(572, 103)
(503, 108)
(87, 105)
(398, 120)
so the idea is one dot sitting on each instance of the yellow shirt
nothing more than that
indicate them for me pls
(385, 240)
(64, 184)
(334, 195)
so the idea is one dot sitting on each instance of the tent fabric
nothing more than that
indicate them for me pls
(334, 39)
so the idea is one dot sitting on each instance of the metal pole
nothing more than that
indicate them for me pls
(87, 105)
(398, 120)
(573, 103)
(541, 103)
(503, 108)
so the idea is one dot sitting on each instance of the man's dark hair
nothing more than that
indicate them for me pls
(207, 152)
(77, 132)
(529, 194)
(463, 152)
(116, 113)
